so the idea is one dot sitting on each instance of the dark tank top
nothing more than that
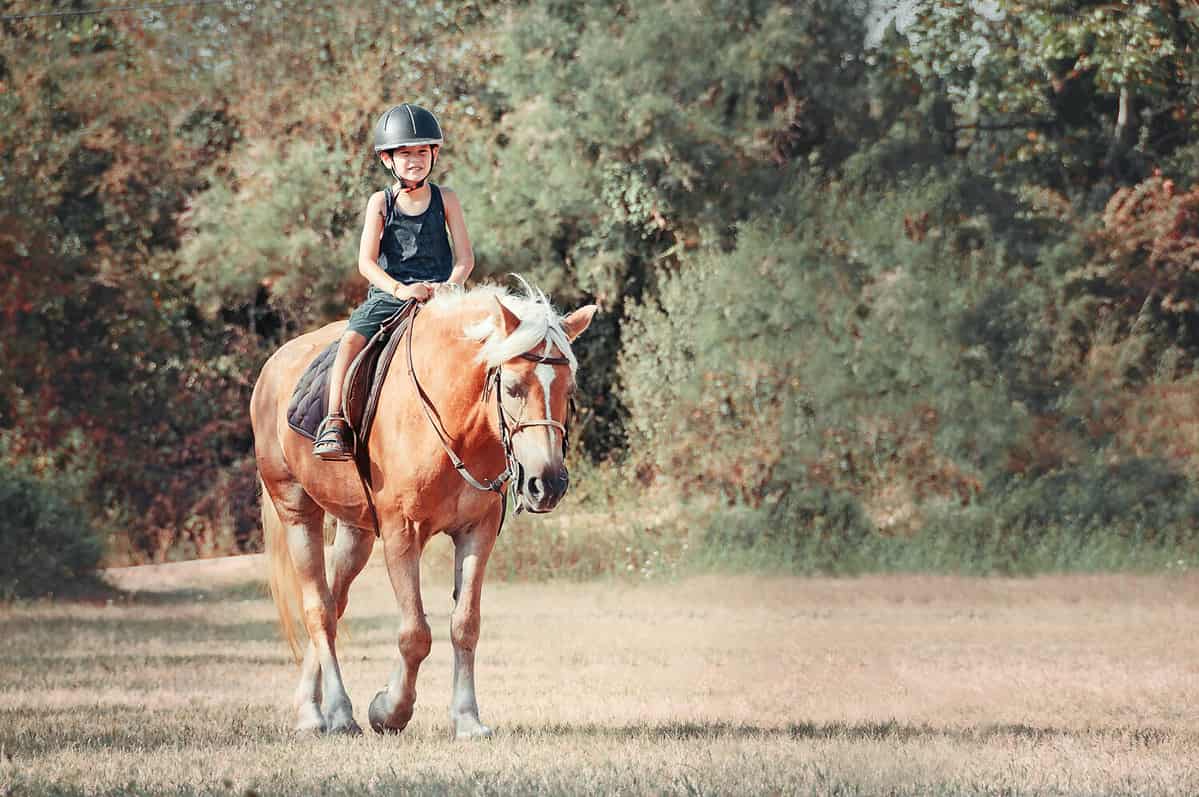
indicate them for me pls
(415, 248)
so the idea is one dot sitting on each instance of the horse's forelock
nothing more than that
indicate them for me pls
(539, 323)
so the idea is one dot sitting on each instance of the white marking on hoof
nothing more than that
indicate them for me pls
(339, 719)
(309, 719)
(346, 728)
(470, 728)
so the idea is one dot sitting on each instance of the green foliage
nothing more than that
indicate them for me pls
(1143, 497)
(833, 376)
(847, 285)
(816, 353)
(280, 228)
(1066, 93)
(623, 137)
(604, 168)
(49, 544)
(1134, 516)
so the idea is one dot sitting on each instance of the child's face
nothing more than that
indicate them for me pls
(411, 163)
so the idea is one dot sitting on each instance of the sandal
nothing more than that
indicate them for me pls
(334, 439)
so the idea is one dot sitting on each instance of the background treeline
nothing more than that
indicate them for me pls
(899, 284)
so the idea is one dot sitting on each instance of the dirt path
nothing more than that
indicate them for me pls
(717, 684)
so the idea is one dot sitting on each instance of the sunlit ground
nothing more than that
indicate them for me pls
(1053, 685)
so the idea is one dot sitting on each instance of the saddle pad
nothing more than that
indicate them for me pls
(364, 378)
(307, 407)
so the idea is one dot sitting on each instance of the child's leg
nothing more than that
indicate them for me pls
(351, 344)
(333, 441)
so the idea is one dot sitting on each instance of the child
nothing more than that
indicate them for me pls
(404, 252)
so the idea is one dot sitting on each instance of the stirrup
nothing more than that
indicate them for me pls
(331, 439)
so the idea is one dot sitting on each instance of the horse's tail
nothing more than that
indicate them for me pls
(285, 583)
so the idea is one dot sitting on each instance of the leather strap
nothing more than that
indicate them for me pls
(496, 485)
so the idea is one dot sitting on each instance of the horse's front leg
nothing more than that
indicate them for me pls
(392, 708)
(471, 551)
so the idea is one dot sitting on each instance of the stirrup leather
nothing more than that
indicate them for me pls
(335, 440)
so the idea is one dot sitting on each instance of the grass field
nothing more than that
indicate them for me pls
(714, 684)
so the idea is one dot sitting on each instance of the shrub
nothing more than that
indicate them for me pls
(284, 224)
(1145, 251)
(831, 358)
(1129, 280)
(866, 364)
(1093, 516)
(47, 544)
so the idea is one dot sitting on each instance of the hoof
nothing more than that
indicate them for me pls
(339, 719)
(310, 720)
(470, 728)
(347, 728)
(379, 716)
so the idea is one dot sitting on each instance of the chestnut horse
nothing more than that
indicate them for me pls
(496, 371)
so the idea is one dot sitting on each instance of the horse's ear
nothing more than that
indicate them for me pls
(509, 321)
(579, 320)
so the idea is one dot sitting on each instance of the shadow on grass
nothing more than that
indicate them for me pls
(33, 631)
(131, 728)
(101, 667)
(87, 589)
(143, 729)
(98, 592)
(252, 590)
(870, 731)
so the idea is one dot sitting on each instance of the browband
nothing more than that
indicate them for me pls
(541, 358)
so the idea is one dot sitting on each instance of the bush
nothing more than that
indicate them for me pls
(1138, 272)
(287, 224)
(1138, 496)
(47, 544)
(1094, 516)
(828, 352)
(862, 364)
(1132, 515)
(807, 530)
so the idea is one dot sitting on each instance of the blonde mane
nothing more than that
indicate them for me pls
(539, 323)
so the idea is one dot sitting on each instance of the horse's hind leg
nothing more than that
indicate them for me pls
(351, 551)
(352, 548)
(320, 676)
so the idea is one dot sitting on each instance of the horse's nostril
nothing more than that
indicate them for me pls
(534, 487)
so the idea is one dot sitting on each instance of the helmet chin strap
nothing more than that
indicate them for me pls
(408, 186)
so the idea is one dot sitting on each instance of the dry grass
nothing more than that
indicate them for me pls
(1053, 685)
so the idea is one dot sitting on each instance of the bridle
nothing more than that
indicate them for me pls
(492, 383)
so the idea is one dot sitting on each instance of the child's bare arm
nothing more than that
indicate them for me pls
(464, 254)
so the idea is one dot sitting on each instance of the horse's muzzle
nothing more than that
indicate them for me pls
(542, 493)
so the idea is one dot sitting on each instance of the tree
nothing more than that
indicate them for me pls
(624, 136)
(1064, 94)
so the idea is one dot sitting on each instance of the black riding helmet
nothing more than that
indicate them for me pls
(408, 125)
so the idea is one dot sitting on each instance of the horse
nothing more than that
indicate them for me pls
(486, 391)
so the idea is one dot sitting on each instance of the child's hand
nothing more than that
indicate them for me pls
(421, 291)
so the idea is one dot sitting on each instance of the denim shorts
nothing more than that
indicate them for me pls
(370, 315)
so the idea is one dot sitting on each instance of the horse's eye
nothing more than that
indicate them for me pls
(515, 389)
